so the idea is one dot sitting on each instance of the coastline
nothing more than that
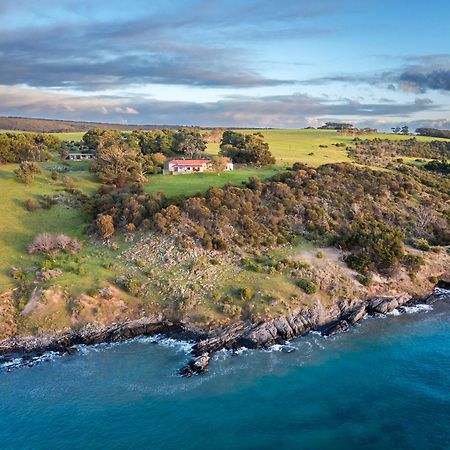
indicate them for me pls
(327, 320)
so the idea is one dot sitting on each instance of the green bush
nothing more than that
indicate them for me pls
(308, 286)
(131, 285)
(365, 280)
(232, 310)
(246, 293)
(421, 244)
(17, 274)
(413, 262)
(47, 264)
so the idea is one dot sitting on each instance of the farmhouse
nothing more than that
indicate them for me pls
(181, 166)
(80, 156)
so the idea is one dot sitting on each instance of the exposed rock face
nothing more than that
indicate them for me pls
(328, 320)
(197, 366)
(89, 335)
(387, 304)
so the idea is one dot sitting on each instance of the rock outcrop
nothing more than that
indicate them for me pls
(328, 320)
(196, 366)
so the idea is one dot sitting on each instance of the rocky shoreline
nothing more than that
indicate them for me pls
(328, 320)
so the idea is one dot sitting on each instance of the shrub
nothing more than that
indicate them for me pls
(54, 175)
(232, 310)
(69, 183)
(130, 228)
(26, 171)
(365, 280)
(131, 285)
(246, 293)
(105, 226)
(46, 201)
(219, 244)
(308, 286)
(54, 243)
(140, 263)
(47, 264)
(30, 204)
(413, 262)
(433, 280)
(319, 254)
(17, 274)
(421, 244)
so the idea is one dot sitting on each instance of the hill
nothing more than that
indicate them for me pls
(67, 126)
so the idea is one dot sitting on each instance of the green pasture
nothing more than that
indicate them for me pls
(175, 185)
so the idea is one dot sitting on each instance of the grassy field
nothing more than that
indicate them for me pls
(191, 184)
(18, 226)
(313, 147)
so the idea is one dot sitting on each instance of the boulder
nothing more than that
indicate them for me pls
(356, 315)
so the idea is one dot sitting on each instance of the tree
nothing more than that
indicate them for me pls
(105, 226)
(117, 162)
(246, 149)
(190, 143)
(404, 130)
(219, 163)
(395, 130)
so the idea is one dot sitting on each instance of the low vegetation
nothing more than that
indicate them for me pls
(110, 239)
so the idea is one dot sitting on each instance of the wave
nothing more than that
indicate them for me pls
(13, 363)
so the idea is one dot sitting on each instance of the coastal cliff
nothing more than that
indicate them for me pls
(327, 320)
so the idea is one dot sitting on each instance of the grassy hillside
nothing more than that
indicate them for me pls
(98, 266)
(290, 146)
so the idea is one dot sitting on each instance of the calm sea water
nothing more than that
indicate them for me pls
(384, 385)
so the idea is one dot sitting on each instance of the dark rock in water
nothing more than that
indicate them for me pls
(287, 349)
(337, 327)
(197, 366)
(443, 284)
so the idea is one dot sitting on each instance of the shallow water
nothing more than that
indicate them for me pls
(383, 385)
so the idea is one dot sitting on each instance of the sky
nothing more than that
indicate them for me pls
(241, 63)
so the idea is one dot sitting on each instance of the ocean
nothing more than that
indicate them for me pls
(383, 385)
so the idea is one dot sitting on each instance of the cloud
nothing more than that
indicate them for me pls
(294, 110)
(193, 43)
(421, 79)
(431, 72)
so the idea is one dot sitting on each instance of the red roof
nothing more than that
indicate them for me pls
(189, 162)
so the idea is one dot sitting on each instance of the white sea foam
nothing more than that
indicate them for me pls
(20, 361)
(416, 309)
(178, 344)
(394, 312)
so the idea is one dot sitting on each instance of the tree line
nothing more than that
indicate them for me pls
(20, 147)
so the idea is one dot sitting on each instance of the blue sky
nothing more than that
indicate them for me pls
(227, 63)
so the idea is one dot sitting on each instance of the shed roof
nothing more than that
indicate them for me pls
(189, 162)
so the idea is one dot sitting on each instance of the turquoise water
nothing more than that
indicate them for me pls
(384, 385)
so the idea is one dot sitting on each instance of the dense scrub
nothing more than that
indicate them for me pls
(442, 167)
(380, 152)
(321, 204)
(433, 132)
